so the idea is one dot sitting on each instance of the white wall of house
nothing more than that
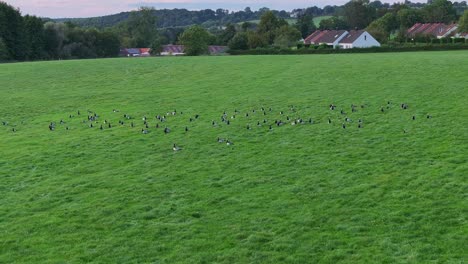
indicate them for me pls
(364, 41)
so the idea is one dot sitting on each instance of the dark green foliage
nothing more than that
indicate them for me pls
(381, 28)
(463, 22)
(323, 49)
(333, 23)
(239, 42)
(107, 44)
(440, 11)
(157, 45)
(12, 32)
(256, 40)
(305, 24)
(287, 36)
(141, 27)
(227, 34)
(407, 17)
(4, 54)
(35, 37)
(196, 40)
(268, 25)
(358, 13)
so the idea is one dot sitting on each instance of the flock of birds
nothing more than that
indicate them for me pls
(160, 122)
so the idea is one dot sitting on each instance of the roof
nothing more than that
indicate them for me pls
(217, 49)
(145, 50)
(434, 29)
(352, 36)
(173, 48)
(324, 36)
(133, 51)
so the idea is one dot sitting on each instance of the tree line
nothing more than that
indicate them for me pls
(31, 38)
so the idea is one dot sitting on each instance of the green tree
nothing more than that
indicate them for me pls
(287, 36)
(268, 25)
(463, 22)
(441, 11)
(141, 27)
(107, 44)
(157, 45)
(256, 40)
(407, 17)
(195, 39)
(305, 24)
(55, 36)
(12, 32)
(35, 38)
(228, 33)
(239, 42)
(358, 13)
(4, 54)
(333, 23)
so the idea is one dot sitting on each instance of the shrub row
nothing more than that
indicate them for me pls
(407, 48)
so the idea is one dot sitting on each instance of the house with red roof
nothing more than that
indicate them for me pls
(358, 39)
(327, 37)
(342, 39)
(436, 30)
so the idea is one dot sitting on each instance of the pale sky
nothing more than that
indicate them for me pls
(90, 8)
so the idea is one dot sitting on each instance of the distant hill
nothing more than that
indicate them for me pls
(177, 18)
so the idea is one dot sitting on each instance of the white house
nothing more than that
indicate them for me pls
(358, 39)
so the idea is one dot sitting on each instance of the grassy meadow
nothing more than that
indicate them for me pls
(393, 191)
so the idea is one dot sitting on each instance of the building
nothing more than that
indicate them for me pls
(436, 30)
(173, 50)
(342, 39)
(358, 39)
(327, 37)
(168, 50)
(176, 50)
(135, 52)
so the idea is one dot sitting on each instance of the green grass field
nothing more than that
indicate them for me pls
(393, 191)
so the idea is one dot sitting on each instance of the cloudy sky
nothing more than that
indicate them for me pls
(89, 8)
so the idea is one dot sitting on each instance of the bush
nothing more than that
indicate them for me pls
(385, 48)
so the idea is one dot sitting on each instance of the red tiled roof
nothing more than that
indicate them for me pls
(217, 49)
(325, 36)
(352, 36)
(173, 48)
(434, 29)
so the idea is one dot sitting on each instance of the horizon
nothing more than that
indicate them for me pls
(89, 8)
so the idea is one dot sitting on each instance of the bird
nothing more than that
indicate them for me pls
(101, 128)
(344, 126)
(414, 117)
(186, 129)
(229, 143)
(144, 131)
(176, 148)
(221, 140)
(359, 125)
(329, 121)
(166, 130)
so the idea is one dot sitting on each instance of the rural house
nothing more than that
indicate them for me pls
(328, 37)
(438, 30)
(180, 50)
(358, 39)
(342, 39)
